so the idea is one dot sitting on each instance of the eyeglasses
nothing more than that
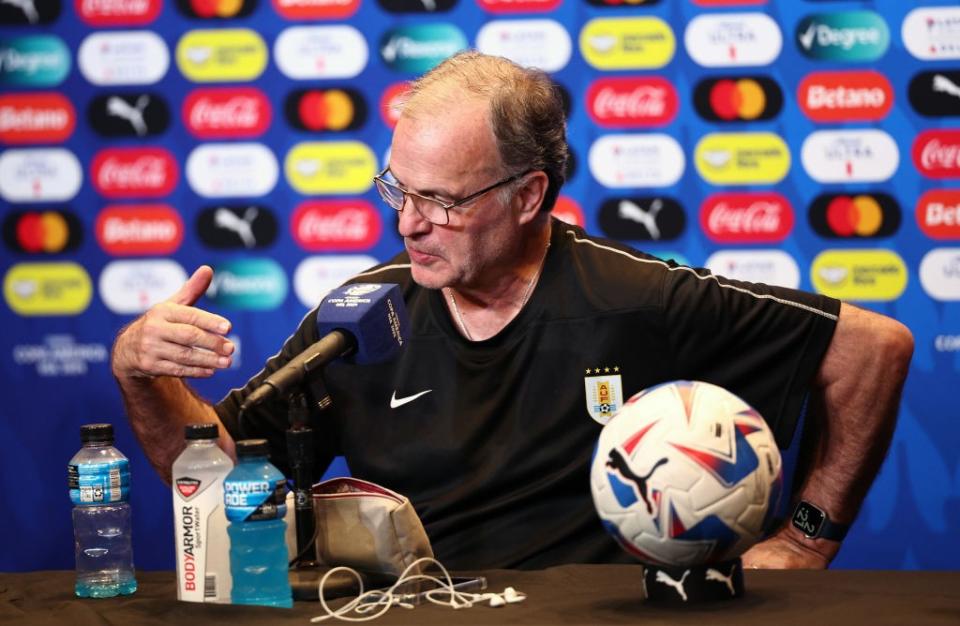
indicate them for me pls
(433, 210)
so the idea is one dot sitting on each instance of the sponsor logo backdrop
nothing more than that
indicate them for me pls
(810, 144)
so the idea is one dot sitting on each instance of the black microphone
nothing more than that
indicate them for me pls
(362, 323)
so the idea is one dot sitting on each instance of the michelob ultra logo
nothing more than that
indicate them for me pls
(938, 213)
(932, 33)
(868, 275)
(222, 55)
(39, 175)
(34, 61)
(308, 52)
(845, 96)
(256, 284)
(733, 39)
(133, 57)
(47, 289)
(843, 36)
(334, 167)
(940, 274)
(420, 48)
(845, 156)
(627, 43)
(36, 118)
(742, 158)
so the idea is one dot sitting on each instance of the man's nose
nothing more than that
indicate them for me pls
(410, 222)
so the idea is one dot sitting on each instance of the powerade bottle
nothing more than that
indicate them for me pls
(254, 493)
(99, 477)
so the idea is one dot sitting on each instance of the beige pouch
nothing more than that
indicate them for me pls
(367, 527)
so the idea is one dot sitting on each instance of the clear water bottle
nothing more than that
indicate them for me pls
(203, 566)
(254, 493)
(99, 477)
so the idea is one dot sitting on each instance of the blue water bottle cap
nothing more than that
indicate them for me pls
(252, 447)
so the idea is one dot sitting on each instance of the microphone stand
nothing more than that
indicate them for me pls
(302, 457)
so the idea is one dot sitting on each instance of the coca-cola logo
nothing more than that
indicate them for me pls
(518, 6)
(134, 172)
(118, 12)
(316, 9)
(938, 213)
(936, 153)
(218, 113)
(762, 217)
(36, 118)
(632, 102)
(567, 210)
(391, 102)
(845, 96)
(146, 229)
(336, 225)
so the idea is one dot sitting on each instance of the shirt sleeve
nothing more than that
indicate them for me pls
(270, 419)
(761, 342)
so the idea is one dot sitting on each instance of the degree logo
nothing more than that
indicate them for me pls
(642, 218)
(132, 287)
(770, 267)
(36, 118)
(866, 275)
(133, 57)
(567, 210)
(42, 232)
(317, 275)
(335, 167)
(936, 153)
(842, 156)
(134, 172)
(940, 274)
(843, 36)
(341, 225)
(733, 39)
(147, 229)
(936, 94)
(39, 175)
(46, 289)
(129, 114)
(632, 102)
(227, 112)
(216, 9)
(229, 227)
(845, 96)
(938, 213)
(755, 217)
(417, 6)
(318, 52)
(251, 284)
(34, 61)
(316, 9)
(29, 13)
(737, 99)
(326, 110)
(392, 101)
(518, 6)
(932, 33)
(862, 216)
(758, 158)
(100, 13)
(419, 48)
(638, 160)
(221, 55)
(627, 43)
(543, 44)
(231, 170)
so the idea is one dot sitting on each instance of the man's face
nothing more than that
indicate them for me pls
(451, 156)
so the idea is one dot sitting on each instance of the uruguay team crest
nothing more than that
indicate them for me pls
(603, 392)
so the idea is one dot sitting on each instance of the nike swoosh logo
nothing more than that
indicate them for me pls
(396, 402)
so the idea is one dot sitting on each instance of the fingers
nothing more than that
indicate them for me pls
(195, 287)
(182, 314)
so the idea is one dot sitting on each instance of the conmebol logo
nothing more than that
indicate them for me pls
(316, 275)
(35, 118)
(770, 267)
(938, 213)
(845, 96)
(421, 47)
(936, 153)
(134, 172)
(843, 36)
(755, 217)
(39, 175)
(940, 274)
(133, 57)
(147, 229)
(932, 33)
(543, 44)
(632, 102)
(132, 287)
(325, 225)
(228, 112)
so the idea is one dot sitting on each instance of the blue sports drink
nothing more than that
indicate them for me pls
(99, 478)
(254, 495)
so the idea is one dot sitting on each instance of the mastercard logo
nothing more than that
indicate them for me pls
(862, 216)
(736, 99)
(214, 9)
(326, 110)
(41, 232)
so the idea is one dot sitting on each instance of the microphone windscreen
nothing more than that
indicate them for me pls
(373, 313)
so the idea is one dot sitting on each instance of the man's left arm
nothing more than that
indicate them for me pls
(858, 389)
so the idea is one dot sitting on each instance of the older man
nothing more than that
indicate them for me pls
(483, 421)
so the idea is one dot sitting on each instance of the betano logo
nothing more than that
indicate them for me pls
(843, 36)
(326, 110)
(316, 9)
(932, 33)
(320, 52)
(327, 225)
(132, 57)
(44, 289)
(34, 61)
(420, 48)
(845, 96)
(737, 98)
(847, 156)
(100, 13)
(940, 274)
(36, 118)
(146, 229)
(221, 55)
(334, 167)
(758, 158)
(39, 175)
(627, 43)
(938, 213)
(632, 102)
(42, 232)
(517, 6)
(251, 284)
(543, 44)
(875, 275)
(231, 170)
(863, 216)
(733, 39)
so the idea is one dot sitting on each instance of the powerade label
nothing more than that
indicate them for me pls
(255, 500)
(99, 483)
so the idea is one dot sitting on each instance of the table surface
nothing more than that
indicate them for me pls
(570, 594)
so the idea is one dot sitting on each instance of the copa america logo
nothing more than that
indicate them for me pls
(362, 290)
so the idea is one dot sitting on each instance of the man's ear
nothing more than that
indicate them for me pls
(529, 196)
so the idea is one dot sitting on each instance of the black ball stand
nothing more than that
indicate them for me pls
(697, 584)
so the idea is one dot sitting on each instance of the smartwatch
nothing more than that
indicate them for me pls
(813, 522)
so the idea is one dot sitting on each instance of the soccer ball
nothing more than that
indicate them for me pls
(686, 474)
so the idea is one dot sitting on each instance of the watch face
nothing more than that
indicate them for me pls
(808, 519)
